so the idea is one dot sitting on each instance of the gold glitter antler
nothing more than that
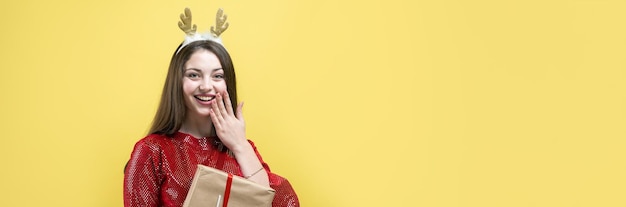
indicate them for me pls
(185, 23)
(220, 23)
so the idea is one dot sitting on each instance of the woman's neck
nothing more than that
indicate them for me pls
(197, 126)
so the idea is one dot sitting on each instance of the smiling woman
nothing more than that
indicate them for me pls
(203, 79)
(197, 123)
(185, 64)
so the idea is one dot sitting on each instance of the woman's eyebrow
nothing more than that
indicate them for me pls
(196, 69)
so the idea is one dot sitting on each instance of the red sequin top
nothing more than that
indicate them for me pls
(161, 168)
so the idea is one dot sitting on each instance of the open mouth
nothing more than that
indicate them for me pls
(205, 98)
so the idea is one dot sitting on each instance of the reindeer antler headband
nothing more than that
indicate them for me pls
(190, 30)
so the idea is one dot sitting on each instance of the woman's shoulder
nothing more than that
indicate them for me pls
(153, 138)
(153, 141)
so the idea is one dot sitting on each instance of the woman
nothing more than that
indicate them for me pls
(196, 124)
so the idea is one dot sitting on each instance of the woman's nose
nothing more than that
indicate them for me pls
(206, 85)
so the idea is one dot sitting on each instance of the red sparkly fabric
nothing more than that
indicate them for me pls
(161, 168)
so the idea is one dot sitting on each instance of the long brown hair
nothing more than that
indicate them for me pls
(171, 112)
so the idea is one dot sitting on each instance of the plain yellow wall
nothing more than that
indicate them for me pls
(359, 103)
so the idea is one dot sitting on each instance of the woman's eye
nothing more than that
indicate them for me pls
(193, 75)
(220, 76)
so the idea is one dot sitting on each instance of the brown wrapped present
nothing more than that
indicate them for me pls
(215, 188)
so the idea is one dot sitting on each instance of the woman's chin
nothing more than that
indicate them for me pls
(201, 113)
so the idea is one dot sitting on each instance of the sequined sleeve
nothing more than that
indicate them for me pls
(285, 194)
(142, 176)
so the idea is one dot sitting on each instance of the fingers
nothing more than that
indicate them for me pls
(216, 112)
(220, 105)
(239, 114)
(216, 121)
(222, 109)
(228, 122)
(227, 103)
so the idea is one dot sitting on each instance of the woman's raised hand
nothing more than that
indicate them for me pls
(231, 130)
(230, 127)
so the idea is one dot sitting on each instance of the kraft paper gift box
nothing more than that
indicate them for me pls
(215, 188)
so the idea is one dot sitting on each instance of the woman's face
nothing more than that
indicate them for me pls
(203, 78)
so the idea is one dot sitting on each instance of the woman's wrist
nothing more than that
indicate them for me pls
(254, 173)
(242, 149)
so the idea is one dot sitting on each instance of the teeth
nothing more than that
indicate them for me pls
(204, 98)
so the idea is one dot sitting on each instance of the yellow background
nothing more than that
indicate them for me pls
(358, 103)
